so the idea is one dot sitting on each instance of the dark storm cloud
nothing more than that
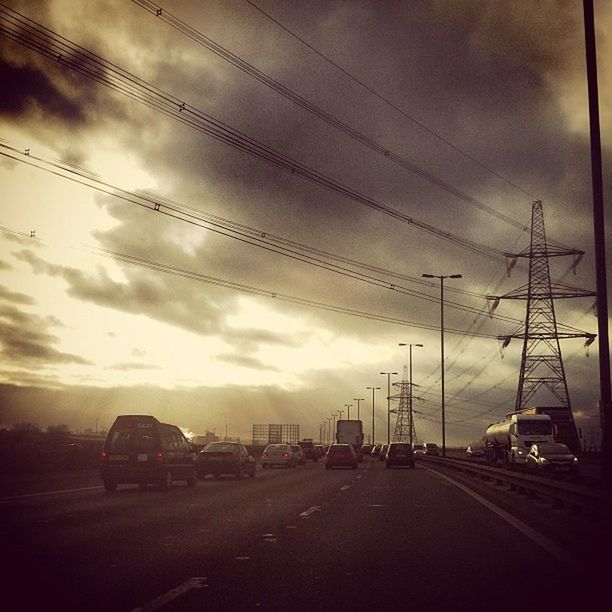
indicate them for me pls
(24, 86)
(24, 339)
(246, 362)
(143, 294)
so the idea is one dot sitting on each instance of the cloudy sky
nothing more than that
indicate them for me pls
(221, 215)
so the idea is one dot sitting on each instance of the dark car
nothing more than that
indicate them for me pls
(383, 452)
(399, 453)
(311, 452)
(341, 455)
(219, 458)
(552, 458)
(141, 450)
(375, 452)
(431, 448)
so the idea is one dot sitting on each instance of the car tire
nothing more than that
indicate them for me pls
(166, 481)
(191, 481)
(110, 486)
(239, 473)
(328, 467)
(252, 473)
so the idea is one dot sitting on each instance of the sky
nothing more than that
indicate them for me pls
(220, 215)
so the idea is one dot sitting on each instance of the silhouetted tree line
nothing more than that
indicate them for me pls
(25, 448)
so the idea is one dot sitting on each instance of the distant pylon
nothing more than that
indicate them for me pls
(404, 423)
(541, 361)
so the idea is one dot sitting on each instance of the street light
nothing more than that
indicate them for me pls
(348, 411)
(410, 385)
(331, 441)
(358, 399)
(442, 277)
(389, 374)
(373, 391)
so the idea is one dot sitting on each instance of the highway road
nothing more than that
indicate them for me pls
(299, 539)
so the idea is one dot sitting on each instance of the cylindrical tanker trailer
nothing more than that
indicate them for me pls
(510, 440)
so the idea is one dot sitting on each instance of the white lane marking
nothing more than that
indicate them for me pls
(345, 487)
(357, 477)
(242, 558)
(4, 500)
(291, 527)
(181, 589)
(561, 554)
(306, 514)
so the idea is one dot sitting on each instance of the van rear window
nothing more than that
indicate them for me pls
(125, 439)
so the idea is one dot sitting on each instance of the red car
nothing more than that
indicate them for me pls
(341, 455)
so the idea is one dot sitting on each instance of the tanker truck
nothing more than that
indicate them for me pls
(509, 440)
(350, 432)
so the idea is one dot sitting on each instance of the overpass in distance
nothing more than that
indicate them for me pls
(303, 538)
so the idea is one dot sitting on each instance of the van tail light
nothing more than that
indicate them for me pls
(103, 455)
(159, 456)
(286, 455)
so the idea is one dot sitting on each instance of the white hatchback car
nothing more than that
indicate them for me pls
(278, 455)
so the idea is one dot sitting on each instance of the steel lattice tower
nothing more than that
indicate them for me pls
(541, 361)
(404, 425)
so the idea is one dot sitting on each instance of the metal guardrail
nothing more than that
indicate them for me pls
(561, 493)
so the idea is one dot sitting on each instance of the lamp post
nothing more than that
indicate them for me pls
(442, 277)
(389, 374)
(331, 441)
(410, 385)
(358, 399)
(373, 392)
(348, 411)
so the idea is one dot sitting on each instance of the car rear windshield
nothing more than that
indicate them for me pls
(554, 449)
(306, 444)
(125, 439)
(220, 447)
(400, 448)
(340, 450)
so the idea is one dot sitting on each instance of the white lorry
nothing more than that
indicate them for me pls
(350, 432)
(509, 440)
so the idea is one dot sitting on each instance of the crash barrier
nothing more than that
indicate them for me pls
(561, 494)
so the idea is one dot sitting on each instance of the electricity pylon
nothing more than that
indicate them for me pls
(541, 361)
(404, 425)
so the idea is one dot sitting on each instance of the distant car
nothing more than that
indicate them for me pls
(300, 457)
(320, 450)
(311, 452)
(278, 455)
(552, 458)
(399, 453)
(383, 452)
(375, 452)
(341, 455)
(431, 448)
(418, 448)
(219, 458)
(366, 449)
(474, 450)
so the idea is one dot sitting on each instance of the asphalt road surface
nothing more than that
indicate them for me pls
(299, 539)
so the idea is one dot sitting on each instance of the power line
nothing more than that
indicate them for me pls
(224, 227)
(241, 287)
(389, 103)
(28, 33)
(204, 41)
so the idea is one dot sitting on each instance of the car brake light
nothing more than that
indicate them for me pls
(103, 455)
(286, 455)
(160, 456)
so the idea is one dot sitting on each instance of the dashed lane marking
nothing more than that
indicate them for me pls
(306, 514)
(181, 589)
(345, 487)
